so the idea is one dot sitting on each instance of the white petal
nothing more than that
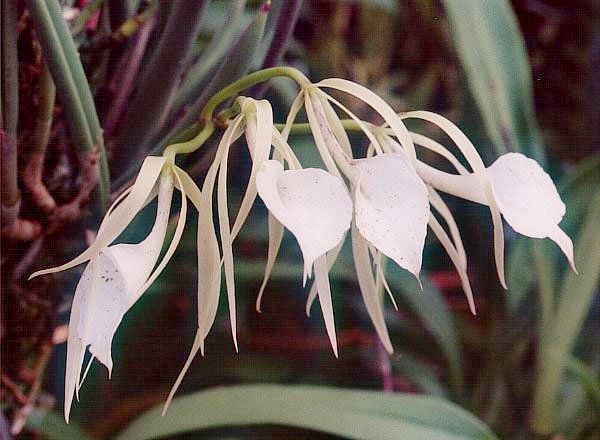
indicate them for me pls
(528, 199)
(313, 204)
(209, 258)
(324, 290)
(392, 208)
(102, 306)
(332, 257)
(115, 284)
(454, 255)
(122, 214)
(472, 156)
(259, 128)
(275, 238)
(380, 106)
(325, 140)
(108, 287)
(368, 287)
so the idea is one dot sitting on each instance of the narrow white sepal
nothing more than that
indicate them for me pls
(324, 290)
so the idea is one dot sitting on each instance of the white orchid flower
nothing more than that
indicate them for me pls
(314, 205)
(523, 192)
(515, 186)
(311, 203)
(117, 275)
(391, 207)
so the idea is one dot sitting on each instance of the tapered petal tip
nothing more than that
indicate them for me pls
(529, 200)
(312, 203)
(392, 209)
(526, 195)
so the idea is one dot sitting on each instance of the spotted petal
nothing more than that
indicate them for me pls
(111, 283)
(392, 208)
(315, 206)
(311, 203)
(528, 199)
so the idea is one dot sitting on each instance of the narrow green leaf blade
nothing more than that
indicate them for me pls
(492, 51)
(430, 307)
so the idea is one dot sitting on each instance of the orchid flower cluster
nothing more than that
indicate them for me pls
(385, 200)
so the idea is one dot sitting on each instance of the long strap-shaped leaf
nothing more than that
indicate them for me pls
(492, 51)
(351, 414)
(71, 83)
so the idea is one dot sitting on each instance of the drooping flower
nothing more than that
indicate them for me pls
(314, 205)
(523, 192)
(117, 275)
(391, 207)
(514, 186)
(311, 203)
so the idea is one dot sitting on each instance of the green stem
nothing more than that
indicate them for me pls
(248, 81)
(304, 128)
(9, 111)
(45, 112)
(206, 116)
(191, 145)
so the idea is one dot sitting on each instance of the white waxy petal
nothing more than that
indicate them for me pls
(368, 286)
(311, 203)
(111, 283)
(259, 128)
(209, 258)
(528, 199)
(392, 208)
(380, 106)
(324, 291)
(121, 215)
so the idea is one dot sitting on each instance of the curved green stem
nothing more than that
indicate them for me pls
(233, 89)
(193, 144)
(257, 77)
(304, 128)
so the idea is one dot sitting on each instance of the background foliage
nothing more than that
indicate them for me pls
(106, 82)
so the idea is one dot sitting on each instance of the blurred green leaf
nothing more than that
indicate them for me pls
(430, 307)
(52, 426)
(492, 51)
(420, 374)
(348, 413)
(518, 278)
(390, 6)
(71, 82)
(587, 378)
(159, 80)
(219, 44)
(234, 65)
(575, 299)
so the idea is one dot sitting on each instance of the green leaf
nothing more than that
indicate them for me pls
(575, 300)
(52, 426)
(221, 41)
(519, 278)
(235, 64)
(72, 86)
(348, 413)
(588, 379)
(492, 51)
(158, 83)
(430, 307)
(420, 374)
